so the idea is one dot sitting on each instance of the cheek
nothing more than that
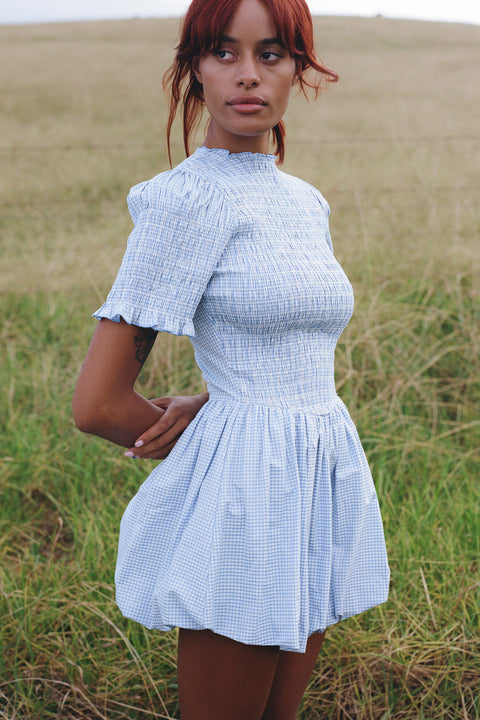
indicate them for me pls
(210, 93)
(210, 80)
(285, 82)
(284, 90)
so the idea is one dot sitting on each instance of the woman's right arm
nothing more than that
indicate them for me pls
(105, 402)
(181, 231)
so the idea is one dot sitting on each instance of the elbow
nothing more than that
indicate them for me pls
(83, 419)
(87, 415)
(83, 423)
(97, 415)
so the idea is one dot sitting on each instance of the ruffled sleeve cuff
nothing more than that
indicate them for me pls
(145, 318)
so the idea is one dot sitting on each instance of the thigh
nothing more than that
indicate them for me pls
(291, 679)
(220, 678)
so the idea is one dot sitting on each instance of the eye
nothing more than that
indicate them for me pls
(224, 54)
(271, 56)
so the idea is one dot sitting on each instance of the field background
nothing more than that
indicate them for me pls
(395, 147)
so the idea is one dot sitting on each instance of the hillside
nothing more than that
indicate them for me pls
(394, 147)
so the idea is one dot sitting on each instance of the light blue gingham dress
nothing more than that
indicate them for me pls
(263, 523)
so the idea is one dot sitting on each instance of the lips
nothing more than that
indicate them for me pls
(247, 104)
(247, 100)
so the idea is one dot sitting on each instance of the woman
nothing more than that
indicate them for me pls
(262, 526)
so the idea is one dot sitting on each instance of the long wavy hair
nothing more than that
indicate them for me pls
(201, 32)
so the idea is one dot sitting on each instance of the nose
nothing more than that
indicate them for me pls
(248, 75)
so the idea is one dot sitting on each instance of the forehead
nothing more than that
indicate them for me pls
(219, 18)
(252, 21)
(251, 16)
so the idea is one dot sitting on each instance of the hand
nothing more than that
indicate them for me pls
(178, 412)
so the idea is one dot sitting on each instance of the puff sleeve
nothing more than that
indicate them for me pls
(182, 224)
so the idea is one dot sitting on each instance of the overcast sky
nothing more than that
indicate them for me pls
(21, 11)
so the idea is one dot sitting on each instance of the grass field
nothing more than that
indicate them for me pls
(395, 147)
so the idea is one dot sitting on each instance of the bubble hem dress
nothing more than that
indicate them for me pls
(263, 523)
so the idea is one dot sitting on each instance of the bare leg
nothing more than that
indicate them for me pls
(291, 678)
(219, 678)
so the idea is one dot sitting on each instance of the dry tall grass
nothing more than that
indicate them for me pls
(395, 148)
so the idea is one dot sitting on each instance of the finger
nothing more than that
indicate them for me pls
(161, 453)
(162, 402)
(155, 438)
(159, 427)
(172, 416)
(157, 444)
(173, 432)
(155, 449)
(176, 417)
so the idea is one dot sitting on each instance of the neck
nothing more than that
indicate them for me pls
(218, 138)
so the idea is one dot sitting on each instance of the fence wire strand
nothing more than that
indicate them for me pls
(93, 147)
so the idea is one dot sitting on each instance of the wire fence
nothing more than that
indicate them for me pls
(455, 194)
(410, 198)
(70, 147)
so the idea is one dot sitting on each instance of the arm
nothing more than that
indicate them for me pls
(178, 239)
(105, 402)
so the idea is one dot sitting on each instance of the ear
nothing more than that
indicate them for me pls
(196, 69)
(298, 71)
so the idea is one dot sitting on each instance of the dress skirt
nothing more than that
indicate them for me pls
(265, 545)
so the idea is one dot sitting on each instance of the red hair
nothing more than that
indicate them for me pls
(202, 30)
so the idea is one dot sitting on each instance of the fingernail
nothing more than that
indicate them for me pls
(129, 453)
(139, 443)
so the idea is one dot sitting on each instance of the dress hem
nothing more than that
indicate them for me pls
(240, 637)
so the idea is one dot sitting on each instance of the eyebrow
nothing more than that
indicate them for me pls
(265, 41)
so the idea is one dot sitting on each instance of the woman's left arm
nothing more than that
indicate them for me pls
(178, 412)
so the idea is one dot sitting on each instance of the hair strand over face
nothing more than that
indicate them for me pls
(202, 30)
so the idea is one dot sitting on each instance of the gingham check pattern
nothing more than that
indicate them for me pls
(263, 523)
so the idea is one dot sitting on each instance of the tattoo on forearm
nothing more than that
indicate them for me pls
(143, 343)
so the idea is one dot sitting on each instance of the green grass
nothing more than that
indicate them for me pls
(395, 149)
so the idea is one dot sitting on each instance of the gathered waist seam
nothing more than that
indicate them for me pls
(315, 409)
